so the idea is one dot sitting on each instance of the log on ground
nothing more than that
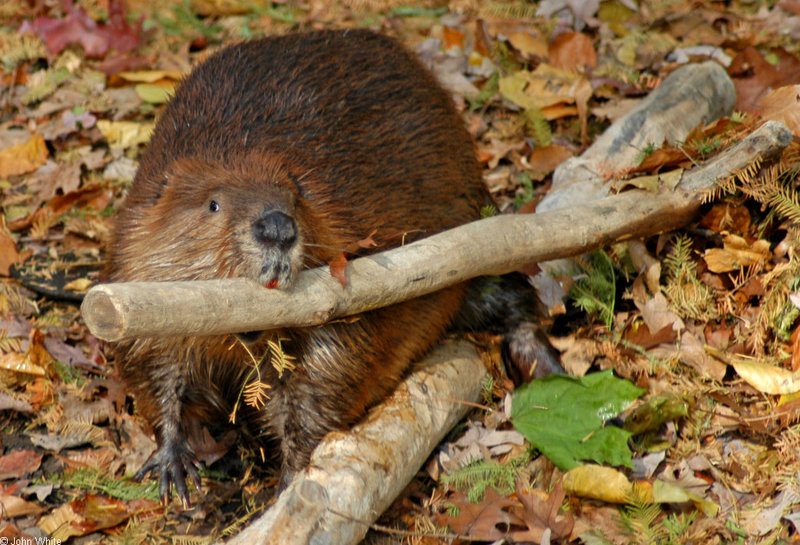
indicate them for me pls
(353, 477)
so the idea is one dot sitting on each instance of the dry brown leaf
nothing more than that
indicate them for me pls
(541, 513)
(782, 104)
(18, 463)
(573, 51)
(529, 45)
(489, 520)
(8, 251)
(14, 506)
(736, 254)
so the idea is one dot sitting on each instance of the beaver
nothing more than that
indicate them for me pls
(276, 155)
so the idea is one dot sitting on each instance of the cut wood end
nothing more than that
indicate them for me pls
(102, 317)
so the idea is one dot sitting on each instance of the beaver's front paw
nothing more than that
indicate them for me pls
(173, 461)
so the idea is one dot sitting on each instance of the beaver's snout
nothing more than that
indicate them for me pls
(274, 228)
(276, 232)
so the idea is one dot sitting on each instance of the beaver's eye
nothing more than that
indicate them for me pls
(213, 206)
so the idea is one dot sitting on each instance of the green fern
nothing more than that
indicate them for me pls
(537, 126)
(597, 291)
(489, 90)
(98, 480)
(676, 526)
(480, 475)
(527, 194)
(487, 387)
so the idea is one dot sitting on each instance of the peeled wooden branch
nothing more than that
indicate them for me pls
(353, 477)
(490, 246)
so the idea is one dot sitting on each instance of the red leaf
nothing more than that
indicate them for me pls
(18, 463)
(337, 266)
(78, 27)
(98, 512)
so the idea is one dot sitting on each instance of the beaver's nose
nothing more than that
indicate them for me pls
(273, 227)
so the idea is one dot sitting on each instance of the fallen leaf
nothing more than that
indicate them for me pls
(782, 104)
(78, 27)
(531, 46)
(766, 377)
(14, 506)
(8, 250)
(154, 94)
(488, 520)
(337, 266)
(541, 513)
(599, 483)
(736, 254)
(24, 157)
(125, 134)
(573, 51)
(150, 76)
(19, 463)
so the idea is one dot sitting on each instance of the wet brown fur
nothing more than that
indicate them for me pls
(346, 133)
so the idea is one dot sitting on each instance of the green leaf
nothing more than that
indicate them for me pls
(563, 417)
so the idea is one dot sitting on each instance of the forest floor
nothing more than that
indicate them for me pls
(703, 320)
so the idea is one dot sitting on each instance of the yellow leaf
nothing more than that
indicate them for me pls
(79, 285)
(23, 158)
(765, 377)
(125, 134)
(20, 363)
(154, 94)
(599, 483)
(150, 76)
(666, 492)
(545, 86)
(528, 44)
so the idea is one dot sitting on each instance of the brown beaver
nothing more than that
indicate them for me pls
(275, 155)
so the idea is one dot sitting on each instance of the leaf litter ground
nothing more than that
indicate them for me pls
(704, 320)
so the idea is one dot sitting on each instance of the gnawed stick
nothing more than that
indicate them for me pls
(353, 477)
(494, 245)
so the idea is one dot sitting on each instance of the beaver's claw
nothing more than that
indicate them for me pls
(173, 461)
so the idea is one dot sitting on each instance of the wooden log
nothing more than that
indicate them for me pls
(353, 477)
(692, 95)
(490, 246)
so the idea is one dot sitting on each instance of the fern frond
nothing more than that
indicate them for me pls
(538, 127)
(512, 9)
(475, 478)
(639, 520)
(687, 295)
(279, 359)
(255, 394)
(786, 203)
(596, 292)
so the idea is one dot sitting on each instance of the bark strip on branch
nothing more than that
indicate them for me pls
(496, 245)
